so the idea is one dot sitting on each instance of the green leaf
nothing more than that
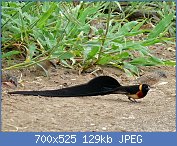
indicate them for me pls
(131, 67)
(105, 60)
(169, 63)
(87, 11)
(63, 55)
(128, 73)
(32, 49)
(123, 55)
(139, 61)
(148, 61)
(46, 15)
(127, 27)
(90, 52)
(160, 27)
(155, 60)
(65, 63)
(10, 54)
(150, 42)
(134, 46)
(138, 26)
(15, 29)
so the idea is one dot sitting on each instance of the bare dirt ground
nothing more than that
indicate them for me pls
(155, 112)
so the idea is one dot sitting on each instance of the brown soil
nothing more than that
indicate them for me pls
(155, 112)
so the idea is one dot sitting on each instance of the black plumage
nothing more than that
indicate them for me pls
(98, 86)
(101, 85)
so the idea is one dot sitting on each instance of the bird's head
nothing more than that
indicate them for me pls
(144, 88)
(161, 74)
(13, 80)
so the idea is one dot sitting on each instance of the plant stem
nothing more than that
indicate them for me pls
(105, 35)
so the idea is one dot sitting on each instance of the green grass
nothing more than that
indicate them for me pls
(60, 30)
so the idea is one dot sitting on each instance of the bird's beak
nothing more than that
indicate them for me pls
(148, 88)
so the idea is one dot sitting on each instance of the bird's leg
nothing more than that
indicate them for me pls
(131, 99)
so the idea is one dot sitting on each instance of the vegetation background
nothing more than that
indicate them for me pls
(123, 39)
(80, 35)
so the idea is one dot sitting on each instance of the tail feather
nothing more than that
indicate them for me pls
(98, 86)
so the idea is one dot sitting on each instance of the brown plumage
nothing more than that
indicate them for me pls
(151, 78)
(133, 92)
(9, 80)
(45, 65)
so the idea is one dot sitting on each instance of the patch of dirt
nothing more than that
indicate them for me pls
(155, 112)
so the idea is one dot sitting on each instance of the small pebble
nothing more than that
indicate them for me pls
(73, 79)
(104, 128)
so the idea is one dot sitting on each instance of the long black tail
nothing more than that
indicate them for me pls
(101, 85)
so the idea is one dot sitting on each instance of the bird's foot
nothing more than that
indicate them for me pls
(132, 100)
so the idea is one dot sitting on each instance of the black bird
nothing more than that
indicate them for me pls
(133, 92)
(101, 85)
